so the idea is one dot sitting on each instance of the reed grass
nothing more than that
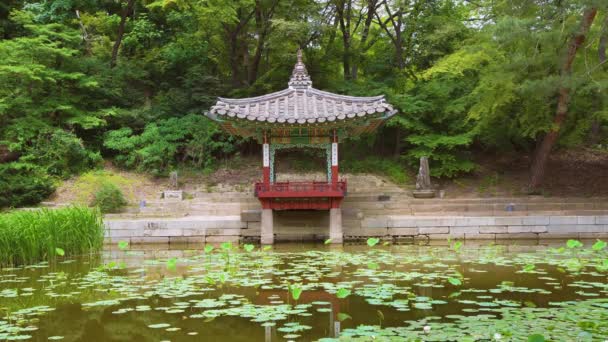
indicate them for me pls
(28, 237)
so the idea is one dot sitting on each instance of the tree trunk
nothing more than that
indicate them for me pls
(594, 134)
(263, 24)
(371, 9)
(121, 31)
(7, 156)
(397, 151)
(343, 10)
(234, 60)
(537, 171)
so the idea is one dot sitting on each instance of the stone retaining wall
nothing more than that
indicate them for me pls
(195, 229)
(200, 229)
(488, 227)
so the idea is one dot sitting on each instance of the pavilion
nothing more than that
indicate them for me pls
(300, 117)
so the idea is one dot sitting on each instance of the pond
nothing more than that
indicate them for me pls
(302, 292)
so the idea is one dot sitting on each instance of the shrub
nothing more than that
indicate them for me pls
(109, 199)
(192, 139)
(23, 184)
(33, 236)
(61, 154)
(375, 165)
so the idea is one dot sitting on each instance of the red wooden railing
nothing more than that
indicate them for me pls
(300, 189)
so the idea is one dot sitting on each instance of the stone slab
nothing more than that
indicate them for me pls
(508, 221)
(402, 222)
(222, 238)
(479, 236)
(223, 232)
(601, 219)
(585, 219)
(493, 230)
(517, 236)
(464, 230)
(123, 233)
(366, 232)
(434, 230)
(186, 239)
(149, 239)
(375, 222)
(446, 236)
(251, 232)
(536, 220)
(580, 228)
(163, 232)
(254, 225)
(526, 229)
(173, 195)
(435, 222)
(554, 220)
(251, 215)
(593, 235)
(474, 221)
(558, 236)
(194, 232)
(402, 231)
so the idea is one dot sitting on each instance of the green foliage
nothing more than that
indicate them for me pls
(455, 281)
(436, 127)
(32, 236)
(191, 139)
(342, 293)
(599, 245)
(89, 183)
(123, 245)
(295, 290)
(371, 242)
(482, 74)
(61, 154)
(23, 184)
(390, 168)
(574, 244)
(109, 199)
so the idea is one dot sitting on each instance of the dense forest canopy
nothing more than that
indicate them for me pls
(82, 80)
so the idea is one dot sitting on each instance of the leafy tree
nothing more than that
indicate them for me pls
(192, 139)
(23, 184)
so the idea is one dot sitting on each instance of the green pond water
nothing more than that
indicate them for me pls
(305, 292)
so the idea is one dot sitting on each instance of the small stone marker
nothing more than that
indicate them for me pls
(424, 188)
(174, 193)
(173, 180)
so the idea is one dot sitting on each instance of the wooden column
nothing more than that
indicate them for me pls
(334, 160)
(266, 161)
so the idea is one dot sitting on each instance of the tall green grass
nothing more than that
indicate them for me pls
(31, 236)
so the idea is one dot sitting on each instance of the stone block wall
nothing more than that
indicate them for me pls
(178, 230)
(315, 226)
(489, 227)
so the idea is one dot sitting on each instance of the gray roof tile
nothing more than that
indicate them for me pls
(300, 103)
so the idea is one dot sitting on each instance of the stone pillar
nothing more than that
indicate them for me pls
(335, 225)
(267, 227)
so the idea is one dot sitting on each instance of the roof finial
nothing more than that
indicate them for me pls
(299, 77)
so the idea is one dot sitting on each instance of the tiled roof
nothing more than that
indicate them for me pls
(300, 104)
